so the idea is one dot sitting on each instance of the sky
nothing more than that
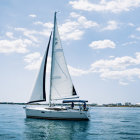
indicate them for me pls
(100, 38)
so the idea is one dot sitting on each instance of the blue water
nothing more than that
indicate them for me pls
(105, 124)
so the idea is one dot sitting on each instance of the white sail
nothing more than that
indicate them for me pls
(38, 92)
(60, 81)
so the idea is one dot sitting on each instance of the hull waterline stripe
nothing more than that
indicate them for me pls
(55, 118)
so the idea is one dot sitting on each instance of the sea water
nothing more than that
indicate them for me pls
(106, 123)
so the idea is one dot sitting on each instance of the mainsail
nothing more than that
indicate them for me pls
(60, 81)
(38, 93)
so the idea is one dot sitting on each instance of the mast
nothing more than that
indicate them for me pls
(53, 43)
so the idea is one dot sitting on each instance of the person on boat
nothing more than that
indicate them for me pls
(80, 107)
(72, 105)
(84, 106)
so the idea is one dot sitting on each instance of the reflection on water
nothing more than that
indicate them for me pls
(55, 129)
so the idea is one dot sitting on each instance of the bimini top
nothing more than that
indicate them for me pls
(69, 101)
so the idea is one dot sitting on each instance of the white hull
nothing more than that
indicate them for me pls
(60, 114)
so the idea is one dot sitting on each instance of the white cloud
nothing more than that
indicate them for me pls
(123, 83)
(111, 56)
(28, 33)
(112, 25)
(75, 35)
(74, 30)
(128, 74)
(34, 34)
(47, 24)
(44, 32)
(33, 61)
(38, 23)
(30, 57)
(10, 35)
(77, 72)
(131, 24)
(74, 15)
(82, 21)
(129, 43)
(134, 37)
(114, 6)
(17, 45)
(120, 68)
(86, 23)
(102, 44)
(32, 15)
(138, 29)
(68, 28)
(116, 63)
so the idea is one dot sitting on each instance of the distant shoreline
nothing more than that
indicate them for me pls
(92, 105)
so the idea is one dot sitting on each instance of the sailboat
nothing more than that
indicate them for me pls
(61, 87)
